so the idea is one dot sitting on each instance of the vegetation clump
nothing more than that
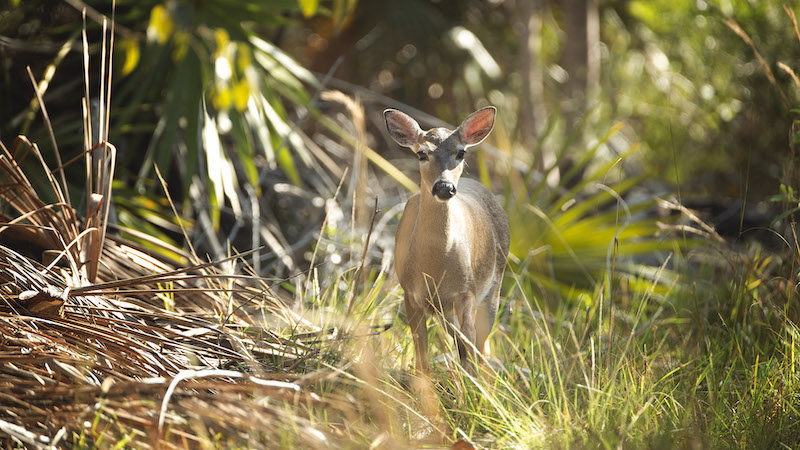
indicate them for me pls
(200, 252)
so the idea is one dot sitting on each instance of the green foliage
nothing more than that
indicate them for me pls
(203, 55)
(694, 92)
(309, 7)
(711, 362)
(199, 90)
(571, 235)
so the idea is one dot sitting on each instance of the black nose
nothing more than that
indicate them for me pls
(444, 190)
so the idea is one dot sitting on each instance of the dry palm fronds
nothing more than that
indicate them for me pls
(108, 353)
(103, 342)
(144, 355)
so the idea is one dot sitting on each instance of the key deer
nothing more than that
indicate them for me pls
(452, 241)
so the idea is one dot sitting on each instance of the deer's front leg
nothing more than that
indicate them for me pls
(419, 331)
(466, 338)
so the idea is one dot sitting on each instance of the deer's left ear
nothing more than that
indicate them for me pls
(477, 126)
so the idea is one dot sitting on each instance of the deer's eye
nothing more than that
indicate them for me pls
(422, 155)
(460, 154)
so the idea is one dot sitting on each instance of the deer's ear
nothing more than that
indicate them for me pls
(477, 126)
(403, 129)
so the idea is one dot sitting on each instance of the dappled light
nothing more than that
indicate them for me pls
(259, 224)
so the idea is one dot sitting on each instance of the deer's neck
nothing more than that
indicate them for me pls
(438, 222)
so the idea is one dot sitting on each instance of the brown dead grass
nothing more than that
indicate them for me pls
(149, 354)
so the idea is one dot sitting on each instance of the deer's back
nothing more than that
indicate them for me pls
(484, 201)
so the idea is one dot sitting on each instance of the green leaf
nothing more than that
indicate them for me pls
(308, 7)
(132, 54)
(244, 147)
(282, 59)
(221, 173)
(286, 163)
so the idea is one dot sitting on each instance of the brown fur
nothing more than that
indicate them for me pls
(450, 255)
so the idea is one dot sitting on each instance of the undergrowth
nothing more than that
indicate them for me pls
(711, 363)
(610, 334)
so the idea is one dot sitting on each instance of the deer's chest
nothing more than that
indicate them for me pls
(434, 258)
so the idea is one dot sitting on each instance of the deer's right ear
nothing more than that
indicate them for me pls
(403, 129)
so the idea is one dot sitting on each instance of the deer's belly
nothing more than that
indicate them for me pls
(436, 283)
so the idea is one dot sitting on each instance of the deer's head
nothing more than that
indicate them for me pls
(440, 150)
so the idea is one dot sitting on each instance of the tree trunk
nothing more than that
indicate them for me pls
(532, 114)
(581, 60)
(575, 57)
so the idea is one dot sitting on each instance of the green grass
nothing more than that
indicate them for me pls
(709, 362)
(610, 335)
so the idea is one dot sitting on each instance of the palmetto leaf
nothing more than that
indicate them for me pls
(572, 235)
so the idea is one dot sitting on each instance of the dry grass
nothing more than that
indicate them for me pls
(105, 343)
(143, 354)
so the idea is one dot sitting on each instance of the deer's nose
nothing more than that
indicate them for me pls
(444, 190)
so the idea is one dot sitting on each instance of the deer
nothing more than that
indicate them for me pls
(452, 240)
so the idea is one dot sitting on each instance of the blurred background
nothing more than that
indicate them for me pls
(255, 111)
(644, 150)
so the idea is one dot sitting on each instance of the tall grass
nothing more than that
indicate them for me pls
(712, 363)
(610, 335)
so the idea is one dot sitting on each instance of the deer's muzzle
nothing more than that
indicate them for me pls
(444, 190)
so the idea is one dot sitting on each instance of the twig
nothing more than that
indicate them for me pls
(28, 437)
(791, 15)
(192, 374)
(791, 73)
(322, 229)
(770, 76)
(98, 17)
(49, 125)
(357, 277)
